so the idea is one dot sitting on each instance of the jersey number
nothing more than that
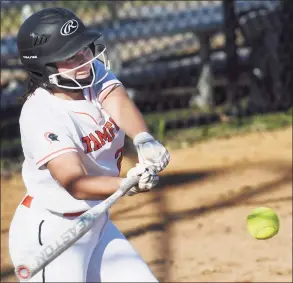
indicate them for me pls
(119, 156)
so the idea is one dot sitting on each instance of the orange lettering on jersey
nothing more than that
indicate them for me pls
(104, 136)
(99, 138)
(119, 156)
(113, 122)
(96, 142)
(110, 128)
(87, 142)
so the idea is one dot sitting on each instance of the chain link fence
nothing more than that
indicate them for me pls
(191, 60)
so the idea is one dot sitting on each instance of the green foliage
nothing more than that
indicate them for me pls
(11, 143)
(258, 123)
(172, 114)
(161, 129)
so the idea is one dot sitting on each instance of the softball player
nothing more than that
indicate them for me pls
(73, 124)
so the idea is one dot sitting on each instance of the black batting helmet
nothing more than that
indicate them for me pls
(49, 36)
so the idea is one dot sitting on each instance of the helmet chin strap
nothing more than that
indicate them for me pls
(66, 82)
(70, 83)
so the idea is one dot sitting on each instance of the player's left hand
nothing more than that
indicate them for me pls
(148, 179)
(151, 152)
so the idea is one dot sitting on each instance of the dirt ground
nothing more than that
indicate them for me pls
(192, 227)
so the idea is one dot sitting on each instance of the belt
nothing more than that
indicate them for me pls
(28, 200)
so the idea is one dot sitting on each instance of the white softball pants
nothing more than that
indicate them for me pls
(103, 254)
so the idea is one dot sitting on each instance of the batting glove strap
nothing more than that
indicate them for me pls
(142, 138)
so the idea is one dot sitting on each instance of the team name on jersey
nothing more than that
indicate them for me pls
(96, 140)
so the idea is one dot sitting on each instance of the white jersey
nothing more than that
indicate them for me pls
(51, 126)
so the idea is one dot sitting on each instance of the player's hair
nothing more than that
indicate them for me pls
(30, 89)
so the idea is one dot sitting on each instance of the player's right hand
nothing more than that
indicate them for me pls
(148, 178)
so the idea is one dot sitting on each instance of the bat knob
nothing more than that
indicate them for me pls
(23, 272)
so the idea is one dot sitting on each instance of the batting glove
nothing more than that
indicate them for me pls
(151, 152)
(148, 179)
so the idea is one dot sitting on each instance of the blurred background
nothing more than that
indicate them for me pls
(196, 69)
(184, 63)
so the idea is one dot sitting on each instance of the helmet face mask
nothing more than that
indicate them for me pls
(53, 35)
(100, 55)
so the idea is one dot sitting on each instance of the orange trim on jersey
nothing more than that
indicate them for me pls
(82, 113)
(54, 153)
(27, 201)
(73, 214)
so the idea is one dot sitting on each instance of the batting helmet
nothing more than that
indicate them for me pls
(52, 35)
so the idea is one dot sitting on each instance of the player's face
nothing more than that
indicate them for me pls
(76, 60)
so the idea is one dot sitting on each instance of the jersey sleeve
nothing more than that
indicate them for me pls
(45, 137)
(110, 79)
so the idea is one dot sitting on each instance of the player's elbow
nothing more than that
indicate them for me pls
(77, 195)
(69, 171)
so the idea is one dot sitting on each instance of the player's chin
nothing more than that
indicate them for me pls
(83, 75)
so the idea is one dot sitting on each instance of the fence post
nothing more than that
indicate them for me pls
(204, 97)
(230, 24)
(113, 51)
(285, 52)
(26, 11)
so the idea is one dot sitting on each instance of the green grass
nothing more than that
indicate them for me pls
(172, 114)
(257, 123)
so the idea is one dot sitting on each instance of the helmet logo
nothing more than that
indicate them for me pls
(69, 27)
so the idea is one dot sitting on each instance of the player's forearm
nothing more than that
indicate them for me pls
(93, 187)
(124, 112)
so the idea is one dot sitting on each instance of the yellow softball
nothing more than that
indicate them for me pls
(263, 223)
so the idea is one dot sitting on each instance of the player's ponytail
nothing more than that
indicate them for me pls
(31, 87)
